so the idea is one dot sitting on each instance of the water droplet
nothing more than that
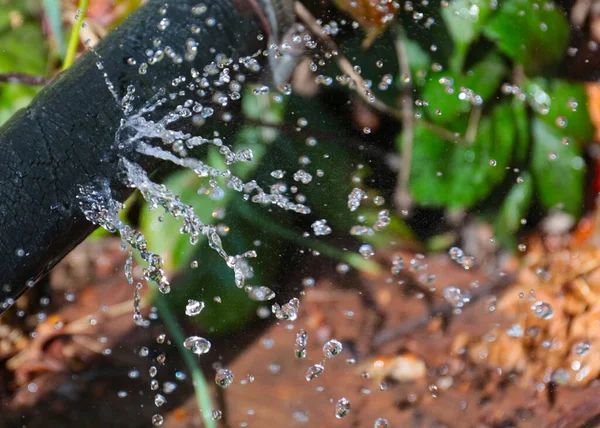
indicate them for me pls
(515, 330)
(366, 251)
(355, 197)
(224, 377)
(278, 173)
(457, 255)
(342, 408)
(300, 416)
(332, 348)
(381, 423)
(561, 121)
(157, 420)
(260, 293)
(314, 372)
(159, 400)
(193, 308)
(542, 310)
(560, 376)
(300, 344)
(321, 228)
(456, 297)
(582, 348)
(288, 311)
(198, 345)
(302, 176)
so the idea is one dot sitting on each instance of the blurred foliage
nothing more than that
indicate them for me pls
(24, 49)
(496, 131)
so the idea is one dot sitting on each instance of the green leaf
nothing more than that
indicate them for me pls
(213, 279)
(443, 89)
(561, 105)
(262, 107)
(531, 32)
(452, 175)
(514, 208)
(163, 236)
(419, 61)
(22, 49)
(558, 169)
(522, 129)
(465, 20)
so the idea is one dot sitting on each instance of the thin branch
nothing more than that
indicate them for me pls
(24, 79)
(403, 197)
(447, 135)
(495, 285)
(579, 415)
(473, 125)
(361, 89)
(310, 21)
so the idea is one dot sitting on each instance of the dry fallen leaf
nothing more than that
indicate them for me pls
(374, 16)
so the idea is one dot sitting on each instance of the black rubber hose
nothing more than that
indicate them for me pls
(66, 137)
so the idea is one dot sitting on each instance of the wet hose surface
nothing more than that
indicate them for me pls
(66, 137)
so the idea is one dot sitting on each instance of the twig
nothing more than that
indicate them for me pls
(443, 132)
(310, 21)
(473, 125)
(403, 197)
(74, 38)
(24, 79)
(494, 285)
(579, 415)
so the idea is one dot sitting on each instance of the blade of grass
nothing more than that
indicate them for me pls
(199, 381)
(53, 13)
(74, 38)
(353, 259)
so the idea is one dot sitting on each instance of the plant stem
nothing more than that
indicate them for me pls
(74, 38)
(199, 381)
(354, 260)
(24, 79)
(403, 197)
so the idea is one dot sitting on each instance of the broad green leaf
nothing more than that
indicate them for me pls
(22, 49)
(213, 279)
(465, 20)
(531, 32)
(558, 169)
(14, 97)
(262, 107)
(419, 61)
(453, 175)
(163, 236)
(514, 208)
(562, 105)
(447, 93)
(522, 130)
